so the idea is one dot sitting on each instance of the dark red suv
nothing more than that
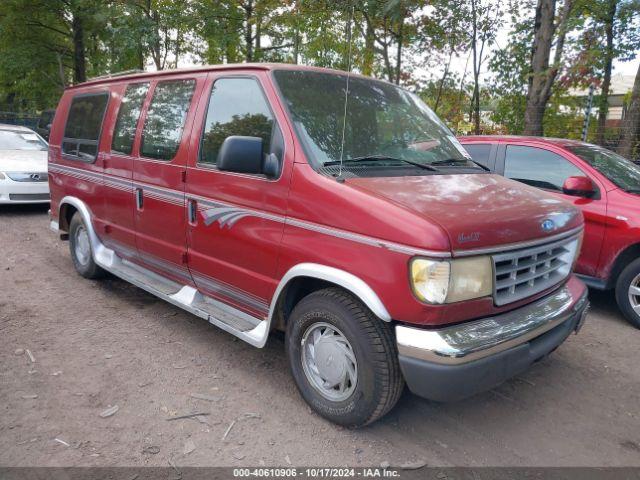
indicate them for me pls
(603, 184)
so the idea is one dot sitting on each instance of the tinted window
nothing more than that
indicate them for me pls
(538, 167)
(619, 170)
(125, 130)
(165, 118)
(237, 107)
(84, 124)
(480, 152)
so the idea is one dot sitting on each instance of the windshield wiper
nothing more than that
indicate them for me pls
(383, 157)
(632, 190)
(457, 161)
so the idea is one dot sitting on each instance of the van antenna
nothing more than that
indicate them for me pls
(346, 94)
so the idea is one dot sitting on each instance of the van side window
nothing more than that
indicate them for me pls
(237, 107)
(84, 123)
(538, 167)
(165, 118)
(125, 129)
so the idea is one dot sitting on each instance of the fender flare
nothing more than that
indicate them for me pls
(103, 256)
(339, 277)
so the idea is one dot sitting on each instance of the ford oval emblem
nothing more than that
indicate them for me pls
(548, 225)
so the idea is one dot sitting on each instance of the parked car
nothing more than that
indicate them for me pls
(604, 185)
(242, 194)
(23, 166)
(44, 123)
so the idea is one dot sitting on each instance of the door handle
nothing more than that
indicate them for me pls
(139, 199)
(192, 211)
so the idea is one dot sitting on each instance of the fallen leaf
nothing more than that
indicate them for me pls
(109, 411)
(189, 447)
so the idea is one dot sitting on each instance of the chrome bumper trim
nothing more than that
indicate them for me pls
(481, 338)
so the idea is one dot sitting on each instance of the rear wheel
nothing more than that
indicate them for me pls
(628, 292)
(80, 247)
(343, 359)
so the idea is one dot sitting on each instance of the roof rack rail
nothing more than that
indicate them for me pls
(116, 74)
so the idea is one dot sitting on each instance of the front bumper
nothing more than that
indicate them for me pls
(23, 192)
(456, 362)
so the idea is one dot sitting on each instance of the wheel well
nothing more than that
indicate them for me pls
(627, 256)
(294, 291)
(67, 212)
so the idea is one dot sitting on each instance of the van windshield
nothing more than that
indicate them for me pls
(385, 124)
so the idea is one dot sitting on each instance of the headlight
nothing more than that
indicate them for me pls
(437, 281)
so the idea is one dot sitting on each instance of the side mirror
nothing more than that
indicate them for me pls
(579, 187)
(241, 154)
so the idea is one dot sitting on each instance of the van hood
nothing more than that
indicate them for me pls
(476, 210)
(23, 160)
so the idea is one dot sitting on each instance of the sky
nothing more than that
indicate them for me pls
(502, 40)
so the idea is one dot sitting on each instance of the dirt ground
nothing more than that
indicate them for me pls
(97, 344)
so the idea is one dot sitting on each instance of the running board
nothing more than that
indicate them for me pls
(236, 322)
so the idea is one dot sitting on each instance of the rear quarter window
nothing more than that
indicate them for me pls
(84, 124)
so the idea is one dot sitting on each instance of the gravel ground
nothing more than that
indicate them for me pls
(98, 344)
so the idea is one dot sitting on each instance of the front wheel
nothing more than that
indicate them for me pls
(628, 292)
(81, 251)
(343, 359)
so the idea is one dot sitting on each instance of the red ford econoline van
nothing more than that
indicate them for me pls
(338, 209)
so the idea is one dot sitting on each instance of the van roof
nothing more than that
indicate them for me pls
(205, 68)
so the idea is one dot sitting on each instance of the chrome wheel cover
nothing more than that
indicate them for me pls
(329, 362)
(634, 294)
(82, 246)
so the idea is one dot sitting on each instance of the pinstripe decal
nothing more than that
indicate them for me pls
(230, 291)
(212, 284)
(226, 215)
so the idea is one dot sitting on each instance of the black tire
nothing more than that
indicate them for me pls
(628, 277)
(85, 265)
(379, 381)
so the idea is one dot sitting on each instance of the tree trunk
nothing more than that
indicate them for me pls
(538, 94)
(475, 100)
(369, 52)
(442, 80)
(603, 105)
(79, 60)
(296, 38)
(630, 134)
(257, 51)
(400, 38)
(248, 36)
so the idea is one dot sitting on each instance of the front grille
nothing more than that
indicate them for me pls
(523, 273)
(28, 176)
(25, 197)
